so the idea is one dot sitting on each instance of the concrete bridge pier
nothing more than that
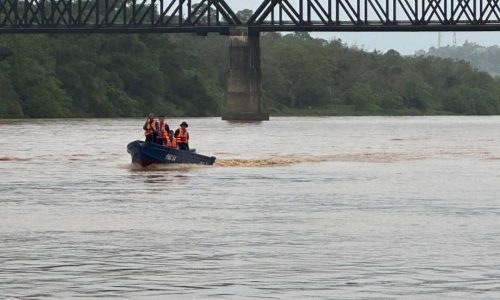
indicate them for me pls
(244, 85)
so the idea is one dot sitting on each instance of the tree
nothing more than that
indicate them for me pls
(363, 98)
(244, 15)
(10, 106)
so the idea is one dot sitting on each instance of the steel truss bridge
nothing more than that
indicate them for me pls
(205, 16)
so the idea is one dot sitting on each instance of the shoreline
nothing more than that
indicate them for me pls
(280, 115)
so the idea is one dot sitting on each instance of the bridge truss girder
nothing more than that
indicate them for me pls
(376, 15)
(206, 16)
(86, 16)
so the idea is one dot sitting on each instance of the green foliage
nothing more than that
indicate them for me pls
(104, 76)
(130, 75)
(363, 98)
(10, 105)
(244, 15)
(469, 100)
(32, 68)
(417, 93)
(302, 72)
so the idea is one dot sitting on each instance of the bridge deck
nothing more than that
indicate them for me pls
(178, 16)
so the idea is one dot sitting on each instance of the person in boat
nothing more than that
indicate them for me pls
(162, 131)
(150, 128)
(170, 141)
(182, 137)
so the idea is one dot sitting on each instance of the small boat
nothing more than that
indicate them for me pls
(145, 154)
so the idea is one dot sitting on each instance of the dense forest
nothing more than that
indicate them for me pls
(185, 75)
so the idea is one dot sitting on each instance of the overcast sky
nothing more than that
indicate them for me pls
(405, 43)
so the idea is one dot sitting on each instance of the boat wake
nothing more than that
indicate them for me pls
(271, 161)
(296, 159)
(371, 157)
(58, 157)
(13, 158)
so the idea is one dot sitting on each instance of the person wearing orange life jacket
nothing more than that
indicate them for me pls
(182, 137)
(150, 128)
(170, 141)
(162, 131)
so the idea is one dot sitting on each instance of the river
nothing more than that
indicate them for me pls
(294, 208)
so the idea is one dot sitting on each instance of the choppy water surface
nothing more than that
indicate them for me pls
(295, 208)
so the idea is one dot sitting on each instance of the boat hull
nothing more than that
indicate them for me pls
(145, 154)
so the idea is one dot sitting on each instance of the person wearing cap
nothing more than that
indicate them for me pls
(182, 137)
(150, 128)
(162, 131)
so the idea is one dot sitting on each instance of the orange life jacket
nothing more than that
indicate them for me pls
(162, 133)
(171, 143)
(183, 136)
(150, 127)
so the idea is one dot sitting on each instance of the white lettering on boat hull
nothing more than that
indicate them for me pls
(171, 157)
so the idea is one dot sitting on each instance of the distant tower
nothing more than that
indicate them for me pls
(439, 39)
(454, 39)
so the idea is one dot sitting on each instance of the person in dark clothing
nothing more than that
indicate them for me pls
(150, 128)
(182, 137)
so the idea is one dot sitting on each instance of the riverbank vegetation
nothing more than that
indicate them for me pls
(185, 75)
